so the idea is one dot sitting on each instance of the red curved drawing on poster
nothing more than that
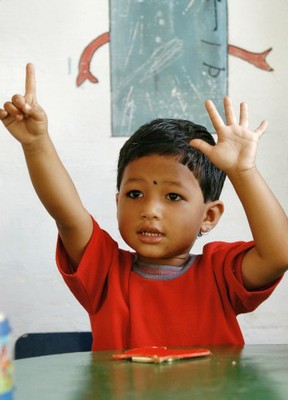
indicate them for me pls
(257, 59)
(86, 57)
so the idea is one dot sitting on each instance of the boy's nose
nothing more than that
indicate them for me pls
(151, 210)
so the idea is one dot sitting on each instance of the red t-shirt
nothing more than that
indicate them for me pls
(127, 309)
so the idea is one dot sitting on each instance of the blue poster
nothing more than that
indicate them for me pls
(167, 57)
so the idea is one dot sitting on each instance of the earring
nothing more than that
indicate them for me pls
(205, 232)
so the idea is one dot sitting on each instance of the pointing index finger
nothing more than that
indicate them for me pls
(30, 83)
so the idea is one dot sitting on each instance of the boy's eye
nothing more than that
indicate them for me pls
(134, 194)
(174, 197)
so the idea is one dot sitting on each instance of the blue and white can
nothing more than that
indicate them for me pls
(6, 368)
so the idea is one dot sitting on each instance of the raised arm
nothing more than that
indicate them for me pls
(27, 122)
(235, 154)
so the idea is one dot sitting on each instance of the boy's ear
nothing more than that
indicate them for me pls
(214, 212)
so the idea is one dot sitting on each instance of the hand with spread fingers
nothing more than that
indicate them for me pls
(235, 154)
(236, 146)
(22, 116)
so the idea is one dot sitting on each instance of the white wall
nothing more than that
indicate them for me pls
(52, 35)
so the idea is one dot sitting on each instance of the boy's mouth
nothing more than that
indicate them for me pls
(149, 233)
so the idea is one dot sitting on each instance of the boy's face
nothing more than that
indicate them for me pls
(160, 209)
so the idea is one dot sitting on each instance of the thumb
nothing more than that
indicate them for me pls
(201, 145)
(34, 111)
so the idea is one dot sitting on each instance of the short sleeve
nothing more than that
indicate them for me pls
(88, 282)
(226, 261)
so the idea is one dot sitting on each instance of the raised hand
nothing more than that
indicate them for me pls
(236, 147)
(22, 116)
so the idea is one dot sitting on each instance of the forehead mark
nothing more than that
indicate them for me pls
(155, 182)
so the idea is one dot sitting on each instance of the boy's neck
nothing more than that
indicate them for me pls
(161, 264)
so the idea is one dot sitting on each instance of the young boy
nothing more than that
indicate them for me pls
(170, 175)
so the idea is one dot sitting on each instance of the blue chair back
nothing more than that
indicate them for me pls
(43, 344)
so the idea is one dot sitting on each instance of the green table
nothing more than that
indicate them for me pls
(252, 373)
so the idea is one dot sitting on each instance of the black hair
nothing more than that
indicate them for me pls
(171, 137)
